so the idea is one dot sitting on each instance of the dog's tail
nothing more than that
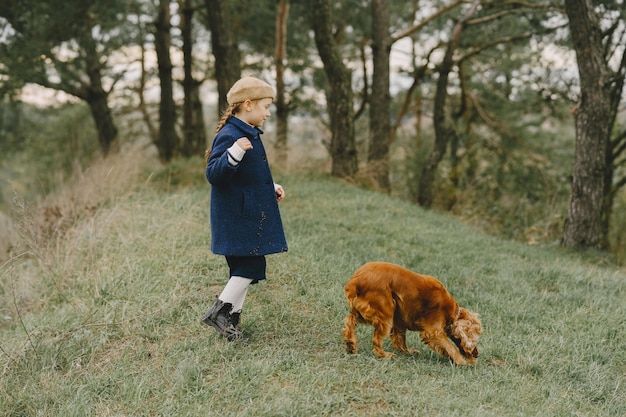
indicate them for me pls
(351, 292)
(358, 305)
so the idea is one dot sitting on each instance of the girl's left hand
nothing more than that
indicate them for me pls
(280, 192)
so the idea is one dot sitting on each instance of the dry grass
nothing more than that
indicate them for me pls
(51, 231)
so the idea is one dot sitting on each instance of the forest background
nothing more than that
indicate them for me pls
(470, 107)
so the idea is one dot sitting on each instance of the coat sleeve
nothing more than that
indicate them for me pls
(218, 169)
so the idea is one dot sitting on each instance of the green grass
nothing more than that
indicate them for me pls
(106, 321)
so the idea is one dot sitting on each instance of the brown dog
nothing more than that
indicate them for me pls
(393, 300)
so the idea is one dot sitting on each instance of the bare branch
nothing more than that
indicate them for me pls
(619, 145)
(488, 45)
(408, 31)
(418, 74)
(488, 119)
(618, 185)
(494, 16)
(529, 5)
(520, 7)
(507, 39)
(115, 79)
(365, 94)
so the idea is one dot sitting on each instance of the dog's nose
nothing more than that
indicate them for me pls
(475, 352)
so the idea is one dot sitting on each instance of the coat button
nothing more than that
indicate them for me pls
(264, 158)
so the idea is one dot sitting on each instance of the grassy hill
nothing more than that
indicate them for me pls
(100, 310)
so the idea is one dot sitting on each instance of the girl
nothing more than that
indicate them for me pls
(245, 219)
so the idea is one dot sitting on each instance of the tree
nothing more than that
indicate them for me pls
(143, 27)
(271, 37)
(444, 129)
(64, 46)
(167, 143)
(613, 38)
(282, 107)
(338, 93)
(381, 133)
(194, 136)
(584, 223)
(380, 124)
(225, 48)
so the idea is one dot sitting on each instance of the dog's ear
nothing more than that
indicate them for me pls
(468, 315)
(464, 332)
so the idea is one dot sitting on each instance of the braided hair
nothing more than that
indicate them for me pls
(230, 111)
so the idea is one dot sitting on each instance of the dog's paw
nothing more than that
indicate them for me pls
(351, 348)
(384, 355)
(462, 362)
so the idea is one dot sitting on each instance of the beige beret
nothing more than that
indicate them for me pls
(249, 88)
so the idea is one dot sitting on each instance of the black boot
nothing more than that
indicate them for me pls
(234, 319)
(218, 316)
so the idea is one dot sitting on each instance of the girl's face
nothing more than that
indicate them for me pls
(255, 112)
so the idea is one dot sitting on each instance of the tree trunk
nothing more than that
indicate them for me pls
(97, 99)
(380, 125)
(225, 49)
(338, 94)
(282, 110)
(194, 137)
(167, 144)
(107, 131)
(584, 226)
(442, 123)
(615, 148)
(141, 90)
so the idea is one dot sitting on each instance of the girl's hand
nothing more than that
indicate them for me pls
(244, 143)
(280, 192)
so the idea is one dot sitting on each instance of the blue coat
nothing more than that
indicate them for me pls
(245, 219)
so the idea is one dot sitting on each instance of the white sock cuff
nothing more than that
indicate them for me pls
(235, 291)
